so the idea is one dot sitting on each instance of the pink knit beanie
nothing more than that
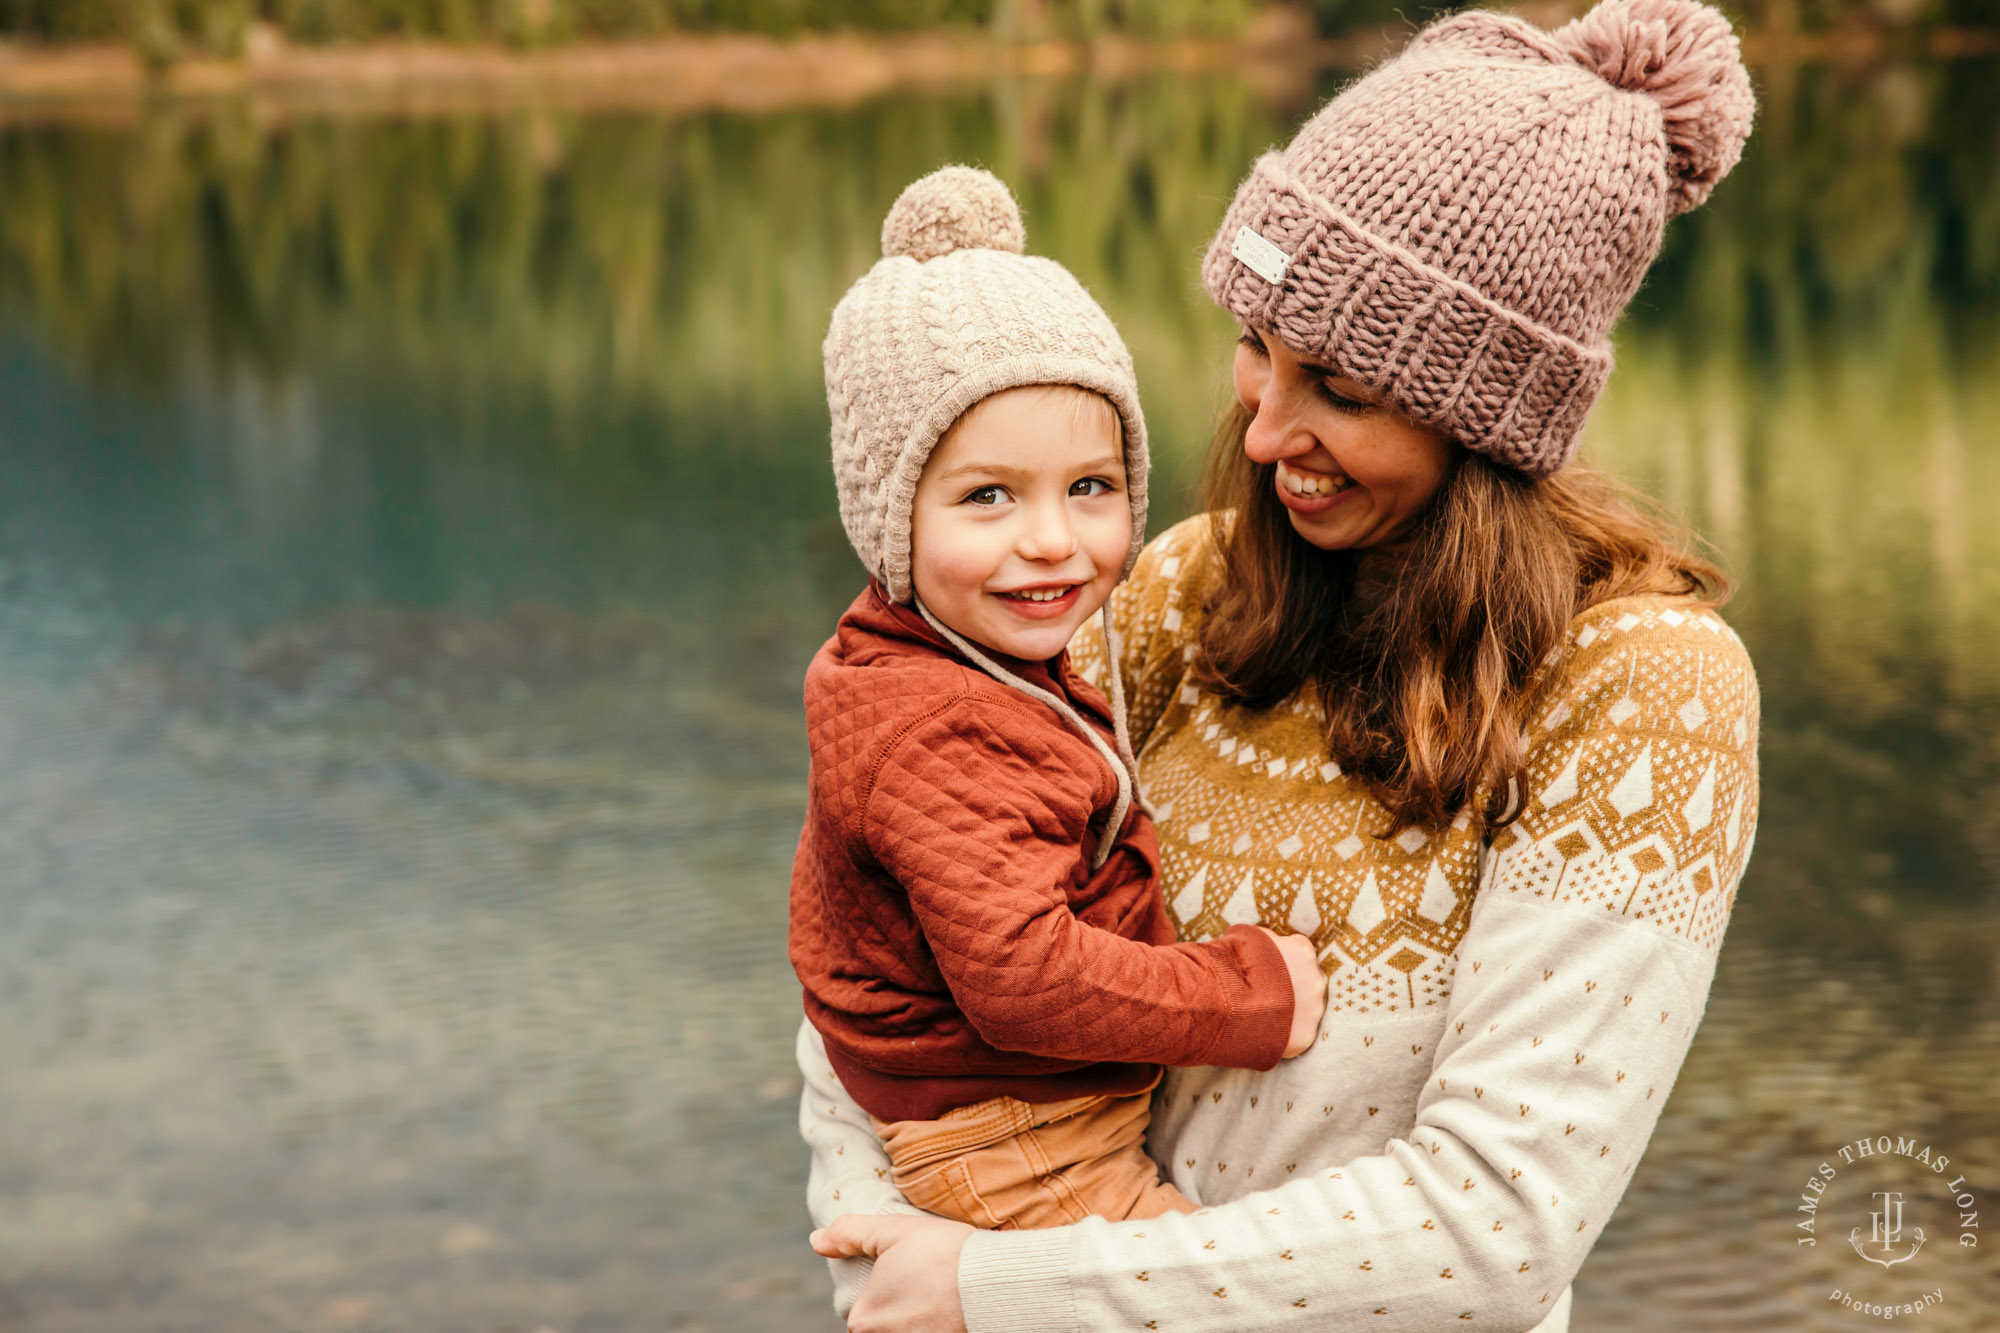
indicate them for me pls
(952, 313)
(1459, 230)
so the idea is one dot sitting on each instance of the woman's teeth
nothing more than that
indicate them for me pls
(1311, 483)
(1040, 594)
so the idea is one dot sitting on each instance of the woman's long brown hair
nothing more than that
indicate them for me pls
(1424, 671)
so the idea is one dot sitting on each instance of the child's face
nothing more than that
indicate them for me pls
(1021, 521)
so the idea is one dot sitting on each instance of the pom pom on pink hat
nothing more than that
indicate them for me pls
(1684, 56)
(1460, 229)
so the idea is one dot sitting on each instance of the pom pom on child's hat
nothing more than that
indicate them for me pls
(954, 312)
(953, 208)
(1459, 230)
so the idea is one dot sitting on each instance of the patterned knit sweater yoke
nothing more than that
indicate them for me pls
(1506, 1016)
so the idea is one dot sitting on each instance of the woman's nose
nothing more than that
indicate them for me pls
(1275, 431)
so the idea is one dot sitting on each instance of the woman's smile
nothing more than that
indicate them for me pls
(1350, 470)
(1308, 492)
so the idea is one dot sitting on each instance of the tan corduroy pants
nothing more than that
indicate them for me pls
(1003, 1164)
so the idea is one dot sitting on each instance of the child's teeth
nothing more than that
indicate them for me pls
(1043, 595)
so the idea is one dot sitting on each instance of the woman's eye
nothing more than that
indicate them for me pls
(1091, 486)
(1340, 402)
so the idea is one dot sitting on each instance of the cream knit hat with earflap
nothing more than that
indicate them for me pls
(952, 313)
(1459, 230)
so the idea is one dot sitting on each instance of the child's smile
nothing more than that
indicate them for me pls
(1044, 602)
(1021, 522)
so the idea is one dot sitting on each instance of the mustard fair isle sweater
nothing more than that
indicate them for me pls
(1505, 1019)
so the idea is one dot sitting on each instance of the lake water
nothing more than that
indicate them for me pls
(412, 536)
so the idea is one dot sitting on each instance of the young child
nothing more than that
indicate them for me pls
(976, 917)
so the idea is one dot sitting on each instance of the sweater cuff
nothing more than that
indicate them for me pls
(1260, 1022)
(1016, 1282)
(850, 1276)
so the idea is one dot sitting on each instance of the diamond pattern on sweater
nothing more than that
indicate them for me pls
(1641, 775)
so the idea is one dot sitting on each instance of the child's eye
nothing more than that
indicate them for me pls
(1091, 486)
(985, 495)
(1253, 342)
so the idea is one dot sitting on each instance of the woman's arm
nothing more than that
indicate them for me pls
(1486, 1209)
(1578, 987)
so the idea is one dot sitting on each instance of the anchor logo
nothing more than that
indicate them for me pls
(1888, 1229)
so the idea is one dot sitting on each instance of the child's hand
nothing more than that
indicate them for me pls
(1308, 989)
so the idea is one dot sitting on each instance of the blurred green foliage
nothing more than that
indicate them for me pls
(549, 258)
(220, 25)
(1334, 17)
(163, 29)
(641, 255)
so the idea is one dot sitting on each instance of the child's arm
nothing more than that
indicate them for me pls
(1308, 990)
(982, 830)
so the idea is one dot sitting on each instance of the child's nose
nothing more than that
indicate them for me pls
(1049, 535)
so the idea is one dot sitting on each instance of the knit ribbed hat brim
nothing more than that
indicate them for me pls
(1447, 355)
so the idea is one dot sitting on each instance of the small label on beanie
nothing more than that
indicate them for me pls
(1264, 259)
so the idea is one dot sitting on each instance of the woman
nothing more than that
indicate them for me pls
(1419, 689)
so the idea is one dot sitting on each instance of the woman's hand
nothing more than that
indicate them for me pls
(914, 1288)
(1308, 990)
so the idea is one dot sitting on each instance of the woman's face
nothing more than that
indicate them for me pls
(1351, 473)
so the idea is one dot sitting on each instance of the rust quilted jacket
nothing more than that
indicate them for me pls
(951, 939)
